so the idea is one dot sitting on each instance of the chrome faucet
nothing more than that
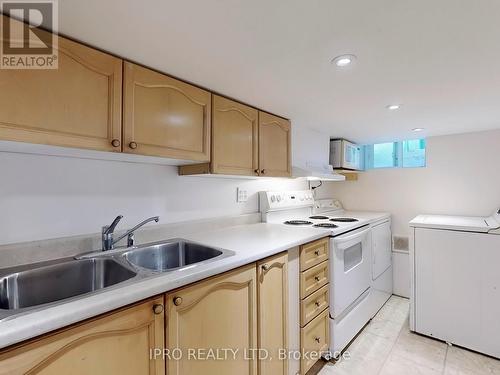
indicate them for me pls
(108, 240)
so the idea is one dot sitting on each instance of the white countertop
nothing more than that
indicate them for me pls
(249, 242)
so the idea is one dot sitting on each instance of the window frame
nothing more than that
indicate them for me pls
(397, 155)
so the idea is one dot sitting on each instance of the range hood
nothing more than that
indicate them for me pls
(315, 172)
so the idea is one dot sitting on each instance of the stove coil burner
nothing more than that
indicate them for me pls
(318, 217)
(298, 222)
(344, 219)
(325, 225)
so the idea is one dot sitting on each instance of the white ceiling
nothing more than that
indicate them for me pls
(439, 59)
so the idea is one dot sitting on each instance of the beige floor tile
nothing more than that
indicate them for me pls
(395, 300)
(368, 345)
(396, 365)
(464, 362)
(397, 313)
(371, 350)
(384, 328)
(367, 355)
(421, 350)
(354, 366)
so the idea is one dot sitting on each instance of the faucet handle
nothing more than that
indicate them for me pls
(131, 239)
(111, 228)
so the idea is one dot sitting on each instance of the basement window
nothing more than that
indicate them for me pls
(404, 154)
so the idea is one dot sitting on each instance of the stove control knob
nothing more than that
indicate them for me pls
(273, 198)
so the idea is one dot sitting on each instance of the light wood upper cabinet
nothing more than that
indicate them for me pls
(220, 312)
(272, 294)
(234, 138)
(274, 146)
(76, 105)
(164, 117)
(117, 343)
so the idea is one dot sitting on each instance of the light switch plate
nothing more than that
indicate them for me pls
(241, 195)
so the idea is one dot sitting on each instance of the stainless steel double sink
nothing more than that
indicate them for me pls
(34, 288)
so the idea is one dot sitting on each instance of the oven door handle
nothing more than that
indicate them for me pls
(361, 234)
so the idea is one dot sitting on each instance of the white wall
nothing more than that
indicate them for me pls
(462, 177)
(45, 197)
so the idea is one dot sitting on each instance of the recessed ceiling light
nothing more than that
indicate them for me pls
(418, 129)
(393, 107)
(343, 60)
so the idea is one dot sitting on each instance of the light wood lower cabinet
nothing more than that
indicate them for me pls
(274, 146)
(76, 105)
(219, 313)
(314, 302)
(164, 117)
(117, 343)
(313, 279)
(272, 276)
(314, 340)
(213, 327)
(313, 253)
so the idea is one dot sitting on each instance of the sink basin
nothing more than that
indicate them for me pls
(60, 281)
(172, 255)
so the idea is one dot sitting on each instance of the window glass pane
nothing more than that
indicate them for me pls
(383, 155)
(414, 153)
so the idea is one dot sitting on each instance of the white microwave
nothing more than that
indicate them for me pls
(346, 155)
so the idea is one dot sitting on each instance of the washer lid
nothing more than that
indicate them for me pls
(460, 223)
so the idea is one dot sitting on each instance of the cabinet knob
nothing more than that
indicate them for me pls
(256, 171)
(317, 339)
(265, 267)
(157, 308)
(317, 278)
(316, 253)
(132, 145)
(115, 143)
(263, 171)
(177, 301)
(317, 303)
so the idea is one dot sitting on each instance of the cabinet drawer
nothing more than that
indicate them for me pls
(311, 306)
(314, 338)
(313, 253)
(313, 279)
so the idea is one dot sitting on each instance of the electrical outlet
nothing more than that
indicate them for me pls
(241, 195)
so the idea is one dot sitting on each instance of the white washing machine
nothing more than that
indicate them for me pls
(455, 281)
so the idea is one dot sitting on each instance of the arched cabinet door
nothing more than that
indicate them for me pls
(274, 146)
(235, 131)
(76, 105)
(164, 117)
(272, 296)
(116, 343)
(220, 312)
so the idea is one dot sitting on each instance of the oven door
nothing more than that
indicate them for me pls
(350, 263)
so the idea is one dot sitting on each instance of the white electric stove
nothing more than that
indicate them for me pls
(360, 256)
